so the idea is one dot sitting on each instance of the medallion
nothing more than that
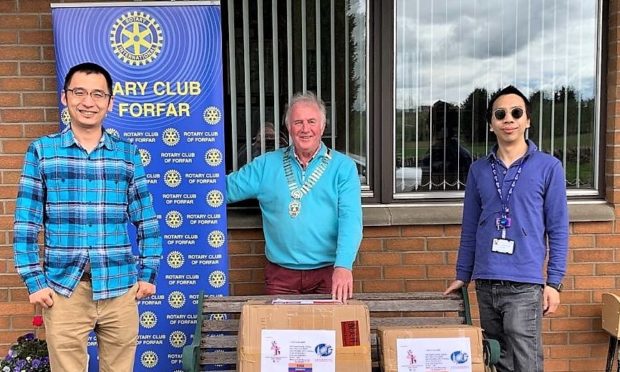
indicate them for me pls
(294, 207)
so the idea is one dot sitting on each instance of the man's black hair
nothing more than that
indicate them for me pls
(508, 90)
(88, 68)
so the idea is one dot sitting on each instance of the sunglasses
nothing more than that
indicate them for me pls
(516, 113)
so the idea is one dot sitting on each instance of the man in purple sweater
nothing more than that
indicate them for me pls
(514, 212)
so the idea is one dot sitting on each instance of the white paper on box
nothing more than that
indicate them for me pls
(298, 350)
(433, 354)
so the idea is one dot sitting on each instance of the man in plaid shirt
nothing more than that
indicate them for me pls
(83, 186)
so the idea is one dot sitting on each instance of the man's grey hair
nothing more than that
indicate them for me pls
(309, 98)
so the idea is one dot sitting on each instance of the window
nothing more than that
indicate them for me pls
(278, 48)
(452, 55)
(432, 66)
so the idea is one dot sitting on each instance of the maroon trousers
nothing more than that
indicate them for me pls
(280, 280)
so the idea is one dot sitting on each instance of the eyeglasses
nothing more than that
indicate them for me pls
(97, 95)
(516, 113)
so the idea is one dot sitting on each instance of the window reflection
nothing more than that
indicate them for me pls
(450, 59)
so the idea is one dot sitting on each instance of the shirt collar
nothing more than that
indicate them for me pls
(68, 139)
(320, 152)
(531, 148)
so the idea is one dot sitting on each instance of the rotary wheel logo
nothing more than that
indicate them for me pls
(178, 339)
(215, 198)
(65, 117)
(136, 38)
(176, 299)
(174, 219)
(149, 359)
(175, 259)
(172, 178)
(216, 238)
(171, 136)
(212, 115)
(148, 319)
(113, 132)
(145, 156)
(213, 157)
(217, 279)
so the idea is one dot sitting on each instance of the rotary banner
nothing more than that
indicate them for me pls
(165, 60)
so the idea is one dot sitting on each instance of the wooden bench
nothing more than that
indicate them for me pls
(215, 338)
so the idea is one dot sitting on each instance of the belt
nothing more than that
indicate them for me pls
(496, 282)
(86, 277)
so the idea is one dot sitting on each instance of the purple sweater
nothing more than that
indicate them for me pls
(538, 211)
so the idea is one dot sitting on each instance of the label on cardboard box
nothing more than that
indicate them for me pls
(433, 354)
(298, 350)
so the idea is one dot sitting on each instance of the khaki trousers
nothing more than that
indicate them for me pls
(70, 320)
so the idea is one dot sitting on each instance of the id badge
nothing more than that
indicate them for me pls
(505, 246)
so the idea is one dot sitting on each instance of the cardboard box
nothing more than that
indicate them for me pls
(388, 336)
(350, 322)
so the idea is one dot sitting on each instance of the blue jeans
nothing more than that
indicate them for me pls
(511, 313)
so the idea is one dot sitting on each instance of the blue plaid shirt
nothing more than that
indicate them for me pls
(84, 201)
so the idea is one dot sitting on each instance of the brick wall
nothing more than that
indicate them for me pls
(396, 258)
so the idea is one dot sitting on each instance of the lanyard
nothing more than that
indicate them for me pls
(505, 204)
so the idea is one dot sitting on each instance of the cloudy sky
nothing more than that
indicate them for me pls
(446, 48)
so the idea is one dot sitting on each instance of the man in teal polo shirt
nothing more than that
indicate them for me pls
(310, 199)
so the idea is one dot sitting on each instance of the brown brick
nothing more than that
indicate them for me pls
(38, 69)
(607, 269)
(22, 115)
(246, 262)
(247, 289)
(21, 84)
(38, 37)
(8, 37)
(10, 281)
(422, 258)
(589, 365)
(237, 247)
(19, 294)
(37, 130)
(49, 54)
(589, 310)
(593, 227)
(40, 100)
(15, 146)
(593, 255)
(19, 52)
(423, 231)
(371, 244)
(10, 99)
(372, 258)
(250, 234)
(555, 338)
(8, 6)
(426, 285)
(571, 324)
(17, 308)
(591, 282)
(12, 161)
(378, 286)
(10, 130)
(581, 269)
(443, 271)
(608, 241)
(367, 272)
(19, 21)
(580, 338)
(408, 244)
(236, 276)
(437, 244)
(581, 241)
(405, 272)
(8, 68)
(381, 232)
(554, 365)
(568, 351)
